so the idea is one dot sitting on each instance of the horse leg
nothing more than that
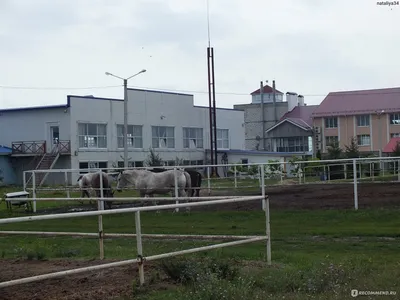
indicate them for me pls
(155, 203)
(182, 193)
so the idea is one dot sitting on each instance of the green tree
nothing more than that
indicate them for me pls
(352, 150)
(153, 159)
(334, 151)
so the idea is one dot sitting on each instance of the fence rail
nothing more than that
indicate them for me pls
(140, 258)
(277, 173)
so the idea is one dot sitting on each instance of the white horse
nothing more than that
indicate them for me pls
(149, 183)
(91, 181)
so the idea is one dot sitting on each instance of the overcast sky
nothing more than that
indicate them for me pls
(311, 47)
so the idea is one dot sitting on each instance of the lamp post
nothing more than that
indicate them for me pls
(125, 112)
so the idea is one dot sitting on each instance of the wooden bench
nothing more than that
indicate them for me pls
(9, 198)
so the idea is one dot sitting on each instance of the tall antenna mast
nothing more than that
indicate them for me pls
(208, 23)
(211, 101)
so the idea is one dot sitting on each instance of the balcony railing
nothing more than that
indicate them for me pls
(29, 147)
(39, 147)
(63, 147)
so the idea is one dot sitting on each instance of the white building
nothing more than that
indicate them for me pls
(87, 131)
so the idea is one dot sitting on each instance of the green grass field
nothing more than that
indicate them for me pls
(316, 254)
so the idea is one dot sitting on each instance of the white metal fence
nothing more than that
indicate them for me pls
(140, 256)
(252, 176)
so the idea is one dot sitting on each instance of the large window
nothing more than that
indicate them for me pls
(331, 140)
(163, 137)
(395, 119)
(363, 120)
(331, 122)
(223, 138)
(292, 144)
(131, 164)
(192, 137)
(93, 165)
(364, 140)
(134, 136)
(92, 135)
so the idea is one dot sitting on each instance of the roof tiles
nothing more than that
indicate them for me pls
(359, 102)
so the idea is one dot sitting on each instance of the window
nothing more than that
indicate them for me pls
(331, 122)
(134, 136)
(92, 135)
(395, 119)
(363, 120)
(394, 135)
(93, 165)
(245, 163)
(163, 137)
(223, 138)
(364, 140)
(291, 144)
(131, 164)
(192, 137)
(331, 140)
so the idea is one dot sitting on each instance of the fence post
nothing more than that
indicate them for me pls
(263, 190)
(139, 247)
(235, 176)
(398, 170)
(267, 228)
(24, 180)
(100, 206)
(355, 184)
(176, 189)
(345, 171)
(371, 172)
(66, 184)
(208, 181)
(34, 190)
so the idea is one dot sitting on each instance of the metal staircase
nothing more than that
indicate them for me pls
(47, 162)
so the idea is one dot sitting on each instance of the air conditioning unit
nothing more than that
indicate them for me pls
(318, 146)
(318, 138)
(317, 129)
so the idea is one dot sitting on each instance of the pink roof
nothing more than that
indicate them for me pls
(301, 115)
(266, 90)
(391, 145)
(359, 102)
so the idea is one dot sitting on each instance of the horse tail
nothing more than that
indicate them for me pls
(188, 185)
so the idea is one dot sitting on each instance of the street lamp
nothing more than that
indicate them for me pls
(125, 112)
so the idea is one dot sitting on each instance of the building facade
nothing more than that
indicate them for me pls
(372, 117)
(87, 131)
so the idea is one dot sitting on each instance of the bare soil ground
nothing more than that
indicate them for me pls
(320, 196)
(116, 283)
(113, 283)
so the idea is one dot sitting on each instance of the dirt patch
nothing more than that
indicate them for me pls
(292, 196)
(320, 196)
(112, 283)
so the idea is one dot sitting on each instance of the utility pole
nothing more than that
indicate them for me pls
(125, 113)
(262, 115)
(126, 124)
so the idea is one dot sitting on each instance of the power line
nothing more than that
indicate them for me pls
(338, 94)
(57, 88)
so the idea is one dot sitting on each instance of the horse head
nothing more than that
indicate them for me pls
(121, 180)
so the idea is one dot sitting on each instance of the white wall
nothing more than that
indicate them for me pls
(33, 124)
(149, 108)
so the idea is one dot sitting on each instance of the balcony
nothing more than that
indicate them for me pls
(38, 148)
